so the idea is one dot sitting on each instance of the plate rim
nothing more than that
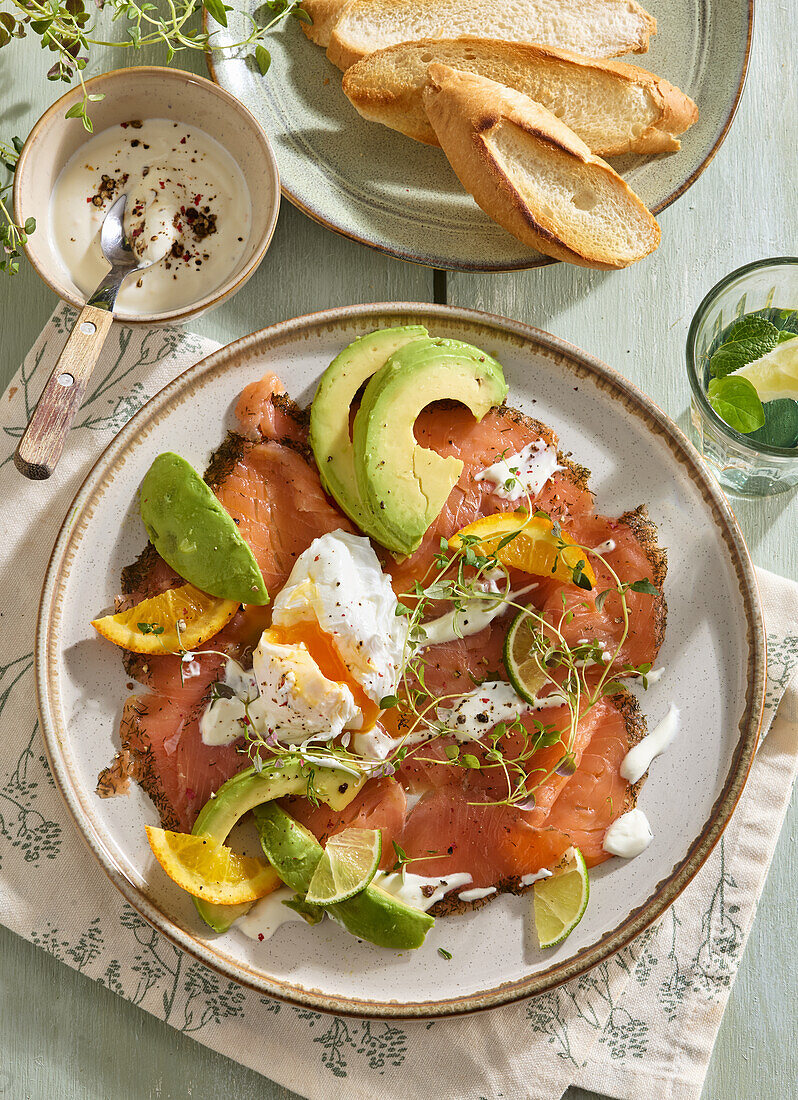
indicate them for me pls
(520, 265)
(47, 651)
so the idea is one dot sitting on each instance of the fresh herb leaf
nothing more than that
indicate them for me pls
(737, 403)
(150, 628)
(644, 586)
(744, 341)
(263, 59)
(444, 954)
(217, 9)
(388, 701)
(401, 857)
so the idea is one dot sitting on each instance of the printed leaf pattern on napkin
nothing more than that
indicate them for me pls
(646, 1016)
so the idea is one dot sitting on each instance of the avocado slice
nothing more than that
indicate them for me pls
(404, 485)
(248, 789)
(195, 535)
(373, 914)
(329, 413)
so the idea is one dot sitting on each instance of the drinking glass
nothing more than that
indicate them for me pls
(741, 465)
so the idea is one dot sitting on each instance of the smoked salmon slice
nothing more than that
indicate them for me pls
(452, 431)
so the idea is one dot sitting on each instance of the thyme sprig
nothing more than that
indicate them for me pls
(69, 31)
(12, 236)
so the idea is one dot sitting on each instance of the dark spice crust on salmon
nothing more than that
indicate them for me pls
(636, 729)
(644, 529)
(136, 761)
(578, 475)
(288, 407)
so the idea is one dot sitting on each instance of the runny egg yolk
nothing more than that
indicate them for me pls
(320, 646)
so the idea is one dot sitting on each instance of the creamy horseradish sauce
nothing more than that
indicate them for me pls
(188, 210)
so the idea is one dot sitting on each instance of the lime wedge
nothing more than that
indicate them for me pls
(560, 901)
(525, 673)
(348, 865)
(774, 375)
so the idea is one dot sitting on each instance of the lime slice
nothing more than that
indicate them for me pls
(348, 865)
(525, 674)
(774, 375)
(560, 901)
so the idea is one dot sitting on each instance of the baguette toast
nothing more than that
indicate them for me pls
(615, 108)
(530, 173)
(325, 14)
(597, 28)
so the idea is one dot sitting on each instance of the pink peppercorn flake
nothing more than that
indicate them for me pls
(261, 936)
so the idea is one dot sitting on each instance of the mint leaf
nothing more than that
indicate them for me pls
(783, 319)
(750, 327)
(737, 353)
(781, 423)
(737, 403)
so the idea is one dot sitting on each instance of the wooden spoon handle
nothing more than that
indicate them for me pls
(43, 440)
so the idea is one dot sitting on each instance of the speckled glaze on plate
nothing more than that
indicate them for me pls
(380, 188)
(714, 653)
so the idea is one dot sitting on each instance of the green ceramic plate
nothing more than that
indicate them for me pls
(379, 187)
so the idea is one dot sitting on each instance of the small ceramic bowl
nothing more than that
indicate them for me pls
(146, 92)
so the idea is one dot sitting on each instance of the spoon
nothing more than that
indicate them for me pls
(41, 445)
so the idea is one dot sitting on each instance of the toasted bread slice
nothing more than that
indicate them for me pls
(597, 28)
(614, 108)
(325, 14)
(533, 175)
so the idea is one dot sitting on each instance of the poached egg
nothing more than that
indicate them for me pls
(334, 650)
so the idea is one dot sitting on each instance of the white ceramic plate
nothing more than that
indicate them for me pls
(713, 652)
(379, 187)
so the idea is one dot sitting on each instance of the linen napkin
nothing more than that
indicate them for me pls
(641, 1024)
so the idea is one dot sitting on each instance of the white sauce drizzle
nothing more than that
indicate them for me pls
(266, 915)
(412, 889)
(477, 893)
(220, 722)
(471, 619)
(527, 880)
(472, 715)
(655, 675)
(639, 758)
(374, 744)
(605, 547)
(523, 473)
(628, 836)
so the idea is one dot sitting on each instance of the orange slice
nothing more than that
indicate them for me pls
(209, 870)
(183, 618)
(535, 548)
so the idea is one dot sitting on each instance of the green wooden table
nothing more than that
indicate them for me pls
(63, 1037)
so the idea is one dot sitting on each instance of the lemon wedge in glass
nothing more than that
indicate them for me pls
(775, 374)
